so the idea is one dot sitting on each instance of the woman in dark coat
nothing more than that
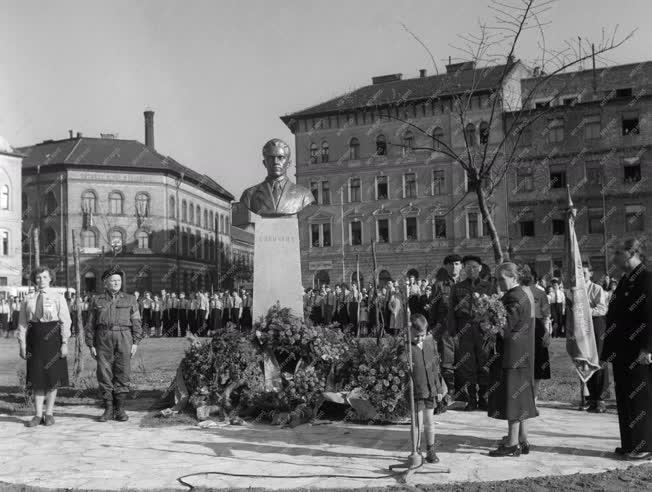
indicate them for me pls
(43, 333)
(628, 346)
(512, 372)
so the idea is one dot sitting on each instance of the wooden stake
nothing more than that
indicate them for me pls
(78, 367)
(37, 250)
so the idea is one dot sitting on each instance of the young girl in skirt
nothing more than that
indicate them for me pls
(43, 333)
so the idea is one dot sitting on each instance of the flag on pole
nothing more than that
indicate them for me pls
(580, 337)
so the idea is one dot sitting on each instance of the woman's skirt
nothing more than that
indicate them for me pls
(541, 356)
(512, 397)
(46, 370)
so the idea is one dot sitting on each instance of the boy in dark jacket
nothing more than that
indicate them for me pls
(426, 376)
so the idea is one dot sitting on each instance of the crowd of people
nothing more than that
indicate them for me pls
(453, 360)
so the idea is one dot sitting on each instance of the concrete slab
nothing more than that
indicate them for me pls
(80, 453)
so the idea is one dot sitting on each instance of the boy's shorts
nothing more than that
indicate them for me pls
(424, 404)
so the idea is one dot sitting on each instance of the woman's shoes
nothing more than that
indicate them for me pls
(525, 446)
(503, 450)
(48, 420)
(620, 451)
(636, 456)
(36, 420)
(431, 455)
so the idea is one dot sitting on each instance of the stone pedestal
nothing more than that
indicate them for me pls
(277, 265)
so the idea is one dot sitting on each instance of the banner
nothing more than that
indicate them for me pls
(580, 337)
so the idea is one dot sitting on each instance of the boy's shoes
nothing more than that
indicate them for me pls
(431, 456)
(471, 406)
(34, 422)
(48, 420)
(597, 407)
(525, 447)
(503, 450)
(635, 456)
(482, 404)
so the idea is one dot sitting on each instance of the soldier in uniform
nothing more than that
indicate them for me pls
(439, 305)
(112, 335)
(471, 357)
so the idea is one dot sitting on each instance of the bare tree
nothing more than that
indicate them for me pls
(486, 161)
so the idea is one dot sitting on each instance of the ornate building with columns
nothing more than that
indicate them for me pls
(11, 268)
(166, 225)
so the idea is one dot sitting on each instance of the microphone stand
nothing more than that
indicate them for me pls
(414, 459)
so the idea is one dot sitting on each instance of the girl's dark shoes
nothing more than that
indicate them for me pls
(503, 450)
(34, 422)
(48, 420)
(431, 456)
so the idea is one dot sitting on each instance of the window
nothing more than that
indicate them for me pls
(469, 134)
(630, 124)
(116, 239)
(320, 235)
(440, 227)
(407, 143)
(634, 218)
(382, 188)
(354, 149)
(142, 240)
(473, 229)
(172, 208)
(383, 230)
(222, 230)
(4, 197)
(211, 221)
(596, 224)
(184, 211)
(558, 227)
(4, 281)
(484, 133)
(4, 243)
(411, 229)
(314, 153)
(556, 130)
(89, 202)
(89, 239)
(48, 242)
(524, 180)
(625, 92)
(438, 138)
(314, 188)
(354, 189)
(50, 203)
(355, 229)
(90, 282)
(191, 213)
(142, 204)
(592, 127)
(594, 173)
(557, 178)
(542, 104)
(632, 173)
(325, 193)
(115, 203)
(381, 145)
(409, 185)
(324, 151)
(569, 100)
(527, 228)
(438, 182)
(198, 216)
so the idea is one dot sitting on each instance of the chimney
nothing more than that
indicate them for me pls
(423, 72)
(458, 67)
(149, 128)
(69, 133)
(79, 134)
(537, 72)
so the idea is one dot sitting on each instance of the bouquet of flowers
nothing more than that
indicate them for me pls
(489, 312)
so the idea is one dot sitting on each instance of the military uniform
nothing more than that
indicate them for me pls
(471, 358)
(114, 325)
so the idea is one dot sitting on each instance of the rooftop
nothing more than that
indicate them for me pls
(91, 152)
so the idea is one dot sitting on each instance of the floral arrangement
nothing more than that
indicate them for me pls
(490, 313)
(381, 373)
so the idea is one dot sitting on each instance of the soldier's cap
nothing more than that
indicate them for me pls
(467, 258)
(419, 322)
(450, 259)
(113, 271)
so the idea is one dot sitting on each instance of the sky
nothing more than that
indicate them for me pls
(219, 74)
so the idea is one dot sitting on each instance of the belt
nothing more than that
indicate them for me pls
(114, 328)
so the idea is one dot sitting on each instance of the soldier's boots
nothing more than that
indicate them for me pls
(108, 411)
(120, 414)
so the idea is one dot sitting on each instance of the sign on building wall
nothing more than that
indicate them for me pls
(320, 265)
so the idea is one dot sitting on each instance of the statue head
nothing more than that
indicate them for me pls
(276, 157)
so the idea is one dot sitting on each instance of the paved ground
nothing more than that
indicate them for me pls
(80, 453)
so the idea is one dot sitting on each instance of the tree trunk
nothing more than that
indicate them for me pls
(489, 222)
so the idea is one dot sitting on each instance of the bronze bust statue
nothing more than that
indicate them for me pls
(277, 195)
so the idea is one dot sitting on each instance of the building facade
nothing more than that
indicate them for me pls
(591, 133)
(377, 178)
(166, 225)
(11, 267)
